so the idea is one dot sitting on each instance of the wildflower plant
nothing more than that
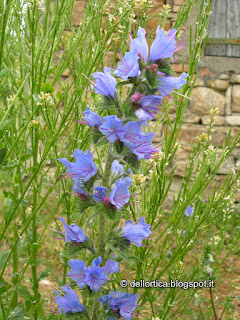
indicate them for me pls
(128, 142)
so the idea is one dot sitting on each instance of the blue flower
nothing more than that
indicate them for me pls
(136, 233)
(70, 302)
(129, 66)
(140, 44)
(78, 186)
(112, 128)
(189, 211)
(133, 133)
(120, 195)
(84, 167)
(117, 168)
(163, 45)
(111, 267)
(128, 306)
(92, 118)
(95, 277)
(123, 304)
(168, 84)
(100, 193)
(149, 106)
(106, 83)
(144, 148)
(73, 233)
(97, 261)
(77, 272)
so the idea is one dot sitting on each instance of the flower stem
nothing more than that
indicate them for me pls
(102, 219)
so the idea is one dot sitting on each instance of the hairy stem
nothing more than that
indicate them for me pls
(102, 221)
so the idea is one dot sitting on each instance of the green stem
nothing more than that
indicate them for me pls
(35, 140)
(213, 306)
(102, 221)
(15, 266)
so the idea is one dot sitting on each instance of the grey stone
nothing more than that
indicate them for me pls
(204, 99)
(236, 98)
(220, 85)
(224, 77)
(228, 165)
(235, 78)
(199, 82)
(233, 120)
(228, 101)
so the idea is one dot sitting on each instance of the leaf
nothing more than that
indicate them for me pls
(3, 152)
(16, 314)
(4, 72)
(3, 286)
(118, 252)
(47, 88)
(3, 257)
(44, 274)
(59, 95)
(5, 123)
(10, 195)
(101, 142)
(24, 292)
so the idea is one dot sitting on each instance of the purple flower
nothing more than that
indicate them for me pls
(100, 193)
(112, 128)
(77, 272)
(84, 167)
(140, 44)
(70, 302)
(133, 133)
(144, 148)
(78, 186)
(111, 267)
(128, 306)
(168, 84)
(120, 195)
(73, 233)
(123, 304)
(129, 66)
(136, 233)
(106, 83)
(117, 168)
(149, 105)
(163, 46)
(92, 118)
(95, 277)
(189, 211)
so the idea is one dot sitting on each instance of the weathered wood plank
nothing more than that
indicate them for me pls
(233, 27)
(224, 23)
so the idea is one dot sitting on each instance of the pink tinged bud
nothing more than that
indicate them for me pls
(148, 68)
(82, 196)
(154, 66)
(137, 97)
(106, 201)
(139, 54)
(155, 70)
(173, 246)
